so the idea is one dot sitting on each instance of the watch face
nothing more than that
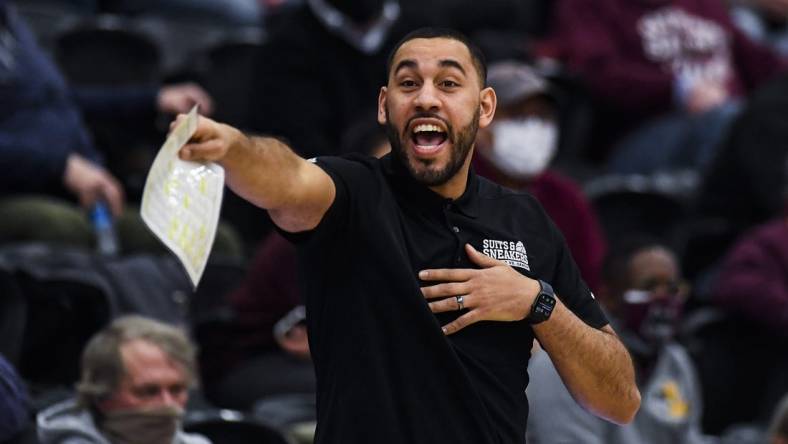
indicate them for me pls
(543, 305)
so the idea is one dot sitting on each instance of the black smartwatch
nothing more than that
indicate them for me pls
(543, 305)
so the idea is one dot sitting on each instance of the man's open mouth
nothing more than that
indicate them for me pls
(428, 137)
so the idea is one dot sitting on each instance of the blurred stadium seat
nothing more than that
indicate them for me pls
(105, 51)
(654, 205)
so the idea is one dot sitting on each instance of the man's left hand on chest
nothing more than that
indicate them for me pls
(494, 292)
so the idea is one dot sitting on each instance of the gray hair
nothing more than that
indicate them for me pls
(102, 363)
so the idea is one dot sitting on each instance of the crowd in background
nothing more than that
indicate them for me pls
(654, 133)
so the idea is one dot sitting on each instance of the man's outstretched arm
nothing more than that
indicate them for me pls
(266, 172)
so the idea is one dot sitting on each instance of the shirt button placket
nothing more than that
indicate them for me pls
(456, 230)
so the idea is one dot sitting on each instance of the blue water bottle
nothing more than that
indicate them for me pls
(106, 239)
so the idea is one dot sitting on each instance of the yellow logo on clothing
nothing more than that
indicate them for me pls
(677, 405)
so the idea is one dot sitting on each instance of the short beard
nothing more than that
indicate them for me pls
(461, 143)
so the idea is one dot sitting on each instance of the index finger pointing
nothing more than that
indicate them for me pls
(447, 274)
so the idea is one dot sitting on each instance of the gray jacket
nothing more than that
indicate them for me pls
(670, 410)
(67, 423)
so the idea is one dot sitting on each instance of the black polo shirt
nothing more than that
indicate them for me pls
(386, 373)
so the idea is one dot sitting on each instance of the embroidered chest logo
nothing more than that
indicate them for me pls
(513, 253)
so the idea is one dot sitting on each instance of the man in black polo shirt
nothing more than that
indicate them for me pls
(425, 284)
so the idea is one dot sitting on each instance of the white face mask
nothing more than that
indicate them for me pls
(523, 148)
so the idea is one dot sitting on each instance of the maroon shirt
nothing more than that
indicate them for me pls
(569, 208)
(753, 279)
(629, 51)
(267, 293)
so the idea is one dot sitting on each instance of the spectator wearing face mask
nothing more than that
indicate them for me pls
(136, 374)
(643, 294)
(516, 151)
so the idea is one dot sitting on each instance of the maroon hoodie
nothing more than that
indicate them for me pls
(629, 51)
(753, 279)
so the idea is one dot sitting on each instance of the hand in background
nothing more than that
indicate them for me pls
(90, 182)
(295, 342)
(704, 96)
(181, 97)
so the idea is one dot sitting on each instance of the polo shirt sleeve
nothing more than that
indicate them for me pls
(570, 287)
(356, 182)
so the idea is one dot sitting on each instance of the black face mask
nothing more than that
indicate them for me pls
(360, 11)
(648, 322)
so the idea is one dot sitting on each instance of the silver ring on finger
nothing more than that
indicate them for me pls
(460, 302)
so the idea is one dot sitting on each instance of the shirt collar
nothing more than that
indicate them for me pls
(422, 197)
